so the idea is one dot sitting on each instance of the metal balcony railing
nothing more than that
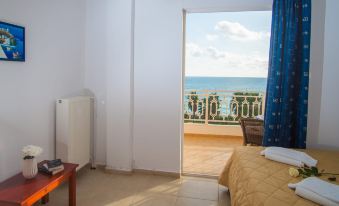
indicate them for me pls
(222, 106)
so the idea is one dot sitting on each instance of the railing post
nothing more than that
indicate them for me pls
(263, 102)
(206, 109)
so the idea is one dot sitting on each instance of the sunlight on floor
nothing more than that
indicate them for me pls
(98, 188)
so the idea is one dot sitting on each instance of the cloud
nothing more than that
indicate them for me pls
(212, 37)
(214, 53)
(197, 51)
(194, 50)
(239, 32)
(204, 61)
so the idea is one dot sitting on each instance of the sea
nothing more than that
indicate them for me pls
(226, 83)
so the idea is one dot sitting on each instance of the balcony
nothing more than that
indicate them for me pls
(212, 127)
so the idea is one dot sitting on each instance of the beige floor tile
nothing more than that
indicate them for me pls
(199, 179)
(112, 197)
(184, 201)
(153, 199)
(97, 188)
(207, 190)
(207, 155)
(162, 185)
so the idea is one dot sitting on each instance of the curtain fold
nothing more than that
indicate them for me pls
(288, 74)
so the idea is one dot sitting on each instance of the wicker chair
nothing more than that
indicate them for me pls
(253, 131)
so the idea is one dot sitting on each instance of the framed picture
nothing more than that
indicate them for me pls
(12, 42)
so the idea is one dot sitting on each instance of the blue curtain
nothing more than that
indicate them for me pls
(288, 75)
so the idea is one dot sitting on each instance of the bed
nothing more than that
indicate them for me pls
(254, 180)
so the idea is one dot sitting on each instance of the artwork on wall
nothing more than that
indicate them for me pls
(12, 42)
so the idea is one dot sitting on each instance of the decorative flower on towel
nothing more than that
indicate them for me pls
(305, 172)
(293, 172)
(31, 151)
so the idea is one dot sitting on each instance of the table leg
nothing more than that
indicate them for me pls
(45, 199)
(72, 189)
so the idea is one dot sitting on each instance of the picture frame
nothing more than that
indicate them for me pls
(12, 42)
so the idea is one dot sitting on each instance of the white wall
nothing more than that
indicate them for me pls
(109, 77)
(328, 136)
(119, 84)
(316, 71)
(157, 89)
(96, 71)
(53, 69)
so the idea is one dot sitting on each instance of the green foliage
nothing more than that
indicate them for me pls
(308, 172)
(305, 172)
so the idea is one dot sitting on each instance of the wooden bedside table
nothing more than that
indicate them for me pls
(19, 191)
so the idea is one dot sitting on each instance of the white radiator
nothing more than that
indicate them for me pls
(73, 130)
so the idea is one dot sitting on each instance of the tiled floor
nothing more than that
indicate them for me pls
(97, 188)
(207, 155)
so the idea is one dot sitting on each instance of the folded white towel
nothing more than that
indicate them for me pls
(307, 194)
(318, 191)
(282, 159)
(289, 156)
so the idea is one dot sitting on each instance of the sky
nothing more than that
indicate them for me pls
(228, 44)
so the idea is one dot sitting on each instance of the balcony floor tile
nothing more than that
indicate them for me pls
(207, 155)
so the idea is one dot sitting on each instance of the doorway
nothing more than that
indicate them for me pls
(226, 61)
